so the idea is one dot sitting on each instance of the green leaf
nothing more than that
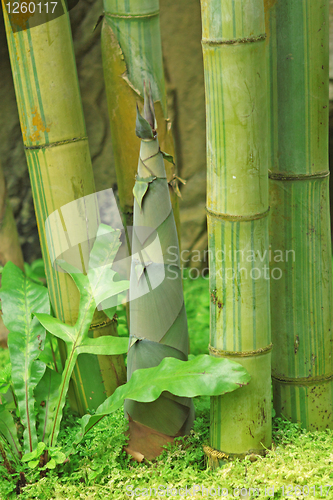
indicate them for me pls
(203, 375)
(142, 127)
(36, 453)
(103, 285)
(141, 187)
(96, 286)
(110, 311)
(107, 345)
(47, 395)
(25, 341)
(57, 327)
(8, 430)
(167, 157)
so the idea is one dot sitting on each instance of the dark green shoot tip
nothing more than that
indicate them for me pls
(143, 129)
(148, 107)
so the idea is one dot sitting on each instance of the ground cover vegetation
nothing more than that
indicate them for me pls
(101, 469)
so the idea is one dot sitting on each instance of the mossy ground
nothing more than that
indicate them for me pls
(299, 462)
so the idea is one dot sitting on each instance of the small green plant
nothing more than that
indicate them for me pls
(33, 393)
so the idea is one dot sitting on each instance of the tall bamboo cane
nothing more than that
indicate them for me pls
(301, 288)
(57, 153)
(132, 54)
(233, 41)
(10, 248)
(158, 324)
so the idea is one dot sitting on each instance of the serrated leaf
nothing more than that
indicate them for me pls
(141, 187)
(204, 375)
(25, 340)
(142, 127)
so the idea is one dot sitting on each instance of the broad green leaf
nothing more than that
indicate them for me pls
(8, 430)
(141, 187)
(107, 345)
(204, 375)
(57, 327)
(47, 395)
(25, 341)
(142, 127)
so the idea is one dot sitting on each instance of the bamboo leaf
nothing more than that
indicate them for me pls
(142, 127)
(203, 375)
(8, 430)
(25, 339)
(104, 345)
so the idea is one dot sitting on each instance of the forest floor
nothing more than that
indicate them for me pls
(299, 465)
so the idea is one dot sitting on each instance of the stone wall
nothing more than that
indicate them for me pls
(181, 35)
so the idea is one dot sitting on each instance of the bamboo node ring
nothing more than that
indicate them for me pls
(96, 326)
(233, 41)
(240, 354)
(241, 218)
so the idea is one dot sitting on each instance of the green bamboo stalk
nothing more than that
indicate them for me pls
(10, 248)
(132, 53)
(301, 292)
(57, 152)
(158, 323)
(234, 53)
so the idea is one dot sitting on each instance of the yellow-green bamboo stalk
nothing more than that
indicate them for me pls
(234, 52)
(10, 248)
(132, 54)
(57, 152)
(301, 288)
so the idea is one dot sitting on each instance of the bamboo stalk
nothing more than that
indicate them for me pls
(132, 54)
(57, 152)
(158, 323)
(301, 293)
(10, 248)
(234, 53)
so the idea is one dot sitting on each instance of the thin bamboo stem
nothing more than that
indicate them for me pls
(233, 41)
